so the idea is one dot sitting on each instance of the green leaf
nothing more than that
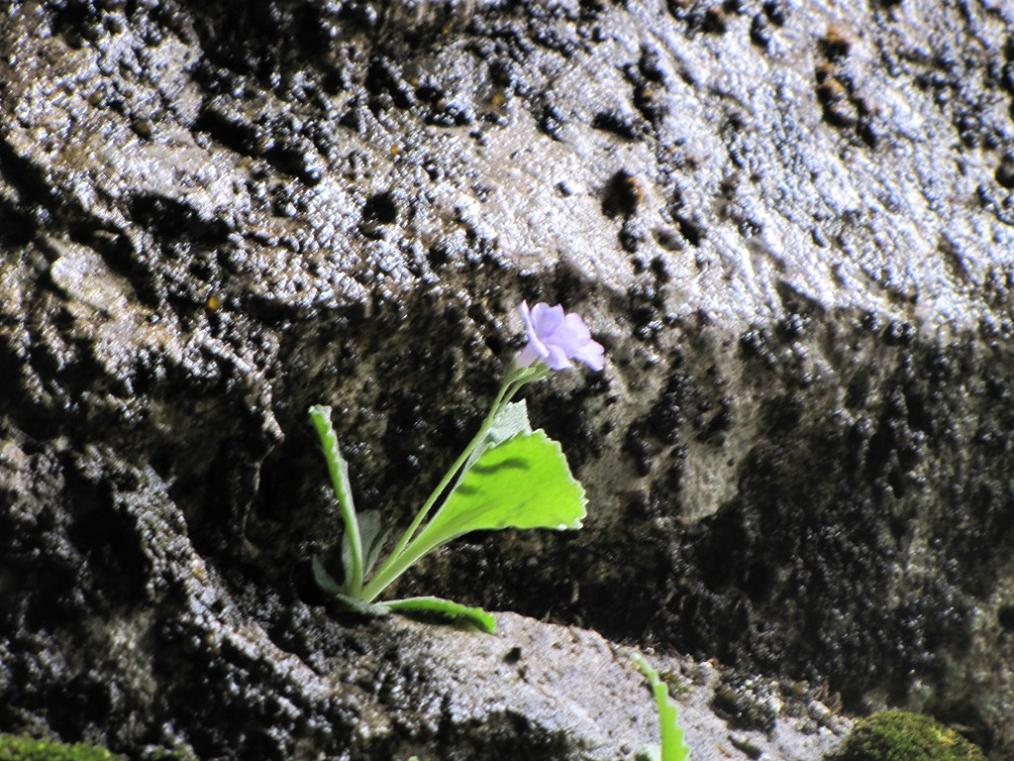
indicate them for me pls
(524, 482)
(511, 420)
(361, 607)
(320, 416)
(446, 609)
(338, 470)
(324, 579)
(373, 534)
(673, 747)
(327, 583)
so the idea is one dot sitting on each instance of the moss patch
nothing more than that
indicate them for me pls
(903, 736)
(14, 748)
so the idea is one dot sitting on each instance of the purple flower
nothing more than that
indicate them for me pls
(555, 338)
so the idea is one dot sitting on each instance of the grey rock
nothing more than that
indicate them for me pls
(789, 223)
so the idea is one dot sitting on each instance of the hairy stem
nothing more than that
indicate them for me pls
(398, 561)
(405, 552)
(406, 537)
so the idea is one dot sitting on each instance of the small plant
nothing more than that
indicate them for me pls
(508, 476)
(15, 748)
(672, 747)
(903, 736)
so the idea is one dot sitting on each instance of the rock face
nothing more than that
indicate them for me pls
(791, 225)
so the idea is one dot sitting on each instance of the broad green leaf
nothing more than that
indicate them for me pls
(444, 608)
(673, 747)
(508, 423)
(524, 482)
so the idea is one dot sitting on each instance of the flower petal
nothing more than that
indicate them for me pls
(531, 354)
(577, 327)
(557, 359)
(526, 315)
(592, 354)
(546, 319)
(556, 337)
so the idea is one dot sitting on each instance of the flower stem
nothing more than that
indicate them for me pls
(406, 537)
(407, 552)
(398, 561)
(393, 567)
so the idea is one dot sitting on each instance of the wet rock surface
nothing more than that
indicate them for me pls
(791, 225)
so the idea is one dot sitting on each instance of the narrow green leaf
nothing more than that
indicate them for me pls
(338, 469)
(324, 579)
(372, 534)
(524, 482)
(444, 608)
(361, 607)
(673, 747)
(327, 583)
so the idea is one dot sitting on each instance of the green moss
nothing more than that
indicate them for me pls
(175, 754)
(14, 748)
(903, 736)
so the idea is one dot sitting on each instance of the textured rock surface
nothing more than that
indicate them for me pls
(791, 224)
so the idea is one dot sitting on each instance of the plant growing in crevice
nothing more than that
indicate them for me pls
(895, 735)
(671, 747)
(508, 476)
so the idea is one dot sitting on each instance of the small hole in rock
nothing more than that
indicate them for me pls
(690, 230)
(380, 208)
(1006, 617)
(622, 195)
